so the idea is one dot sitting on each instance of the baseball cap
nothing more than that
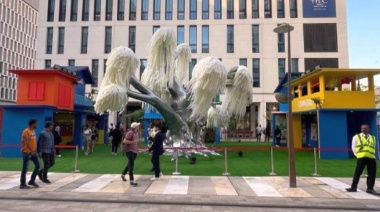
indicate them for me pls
(135, 124)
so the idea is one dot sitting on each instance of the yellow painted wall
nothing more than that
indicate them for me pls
(64, 118)
(297, 133)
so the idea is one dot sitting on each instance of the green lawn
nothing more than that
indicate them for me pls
(253, 163)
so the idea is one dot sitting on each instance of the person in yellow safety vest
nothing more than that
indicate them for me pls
(364, 148)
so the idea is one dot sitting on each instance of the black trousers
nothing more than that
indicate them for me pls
(131, 164)
(156, 164)
(57, 150)
(115, 144)
(49, 161)
(361, 163)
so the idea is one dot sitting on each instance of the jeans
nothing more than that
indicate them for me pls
(25, 162)
(371, 171)
(115, 144)
(49, 161)
(156, 164)
(131, 164)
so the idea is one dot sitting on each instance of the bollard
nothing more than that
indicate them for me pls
(315, 174)
(76, 160)
(225, 163)
(272, 162)
(176, 163)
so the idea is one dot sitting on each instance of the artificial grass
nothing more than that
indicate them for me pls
(255, 162)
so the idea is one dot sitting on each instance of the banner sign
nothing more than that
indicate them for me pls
(319, 8)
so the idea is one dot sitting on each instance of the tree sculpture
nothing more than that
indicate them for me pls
(185, 105)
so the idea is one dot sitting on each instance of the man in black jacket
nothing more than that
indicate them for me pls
(157, 149)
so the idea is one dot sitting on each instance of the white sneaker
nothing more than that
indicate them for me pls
(161, 174)
(154, 178)
(59, 156)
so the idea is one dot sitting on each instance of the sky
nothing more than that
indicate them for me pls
(363, 26)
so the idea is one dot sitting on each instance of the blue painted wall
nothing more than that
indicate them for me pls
(80, 119)
(80, 89)
(15, 120)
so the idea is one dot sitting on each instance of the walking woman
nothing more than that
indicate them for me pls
(157, 149)
(117, 136)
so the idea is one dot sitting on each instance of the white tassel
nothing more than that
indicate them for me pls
(217, 117)
(121, 66)
(209, 78)
(183, 53)
(239, 96)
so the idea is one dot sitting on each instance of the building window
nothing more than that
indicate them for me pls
(85, 10)
(84, 40)
(255, 39)
(120, 10)
(50, 15)
(268, 8)
(97, 10)
(255, 9)
(205, 39)
(180, 34)
(155, 28)
(168, 9)
(74, 10)
(295, 65)
(256, 73)
(281, 42)
(71, 62)
(49, 40)
(242, 9)
(108, 40)
(217, 9)
(230, 38)
(193, 38)
(62, 10)
(94, 72)
(230, 9)
(193, 9)
(281, 69)
(133, 9)
(104, 66)
(191, 67)
(181, 10)
(310, 63)
(157, 9)
(144, 10)
(132, 38)
(47, 63)
(109, 4)
(61, 40)
(280, 9)
(293, 9)
(143, 65)
(320, 37)
(205, 9)
(243, 62)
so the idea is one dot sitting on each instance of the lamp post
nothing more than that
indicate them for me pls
(286, 28)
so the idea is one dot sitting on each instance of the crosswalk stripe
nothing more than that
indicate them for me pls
(261, 188)
(62, 182)
(223, 186)
(97, 183)
(117, 185)
(158, 186)
(342, 186)
(177, 185)
(278, 184)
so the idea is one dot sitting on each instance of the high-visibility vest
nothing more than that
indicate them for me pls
(365, 148)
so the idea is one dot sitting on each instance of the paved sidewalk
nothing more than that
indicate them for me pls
(262, 192)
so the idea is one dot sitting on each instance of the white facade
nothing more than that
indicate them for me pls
(267, 54)
(18, 36)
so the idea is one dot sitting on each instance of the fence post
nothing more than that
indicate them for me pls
(272, 162)
(176, 163)
(225, 163)
(76, 160)
(315, 174)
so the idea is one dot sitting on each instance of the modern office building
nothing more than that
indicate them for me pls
(18, 37)
(83, 32)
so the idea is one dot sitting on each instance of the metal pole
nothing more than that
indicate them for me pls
(225, 163)
(272, 162)
(76, 160)
(292, 167)
(315, 174)
(176, 163)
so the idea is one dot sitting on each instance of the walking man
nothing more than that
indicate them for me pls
(157, 149)
(46, 150)
(259, 130)
(29, 152)
(364, 148)
(130, 141)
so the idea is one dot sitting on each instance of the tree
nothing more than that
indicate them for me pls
(184, 104)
